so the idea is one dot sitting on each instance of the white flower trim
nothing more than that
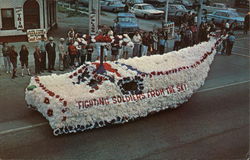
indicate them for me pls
(185, 70)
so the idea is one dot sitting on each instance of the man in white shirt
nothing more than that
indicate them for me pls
(137, 40)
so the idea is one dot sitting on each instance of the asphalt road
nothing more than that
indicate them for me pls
(214, 124)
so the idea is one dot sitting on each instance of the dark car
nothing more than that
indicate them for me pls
(125, 23)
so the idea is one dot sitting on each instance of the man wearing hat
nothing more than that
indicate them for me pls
(51, 50)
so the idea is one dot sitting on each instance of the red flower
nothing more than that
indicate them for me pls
(64, 118)
(51, 93)
(70, 76)
(153, 73)
(61, 99)
(80, 71)
(91, 91)
(50, 112)
(160, 73)
(46, 100)
(65, 103)
(96, 87)
(57, 96)
(75, 74)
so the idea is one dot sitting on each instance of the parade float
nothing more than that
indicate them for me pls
(98, 94)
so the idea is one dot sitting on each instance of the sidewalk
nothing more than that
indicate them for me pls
(64, 24)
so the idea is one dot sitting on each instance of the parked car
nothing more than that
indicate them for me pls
(146, 11)
(112, 5)
(156, 3)
(187, 3)
(173, 8)
(125, 23)
(215, 7)
(225, 15)
(133, 2)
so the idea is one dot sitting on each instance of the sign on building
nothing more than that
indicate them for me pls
(19, 18)
(35, 35)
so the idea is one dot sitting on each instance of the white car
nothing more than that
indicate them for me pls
(146, 11)
(215, 7)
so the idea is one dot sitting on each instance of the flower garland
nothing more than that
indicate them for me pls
(126, 91)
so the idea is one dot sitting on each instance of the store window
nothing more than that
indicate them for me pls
(8, 19)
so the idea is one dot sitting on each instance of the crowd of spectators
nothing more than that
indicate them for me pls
(76, 48)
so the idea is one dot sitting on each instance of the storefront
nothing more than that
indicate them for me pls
(18, 16)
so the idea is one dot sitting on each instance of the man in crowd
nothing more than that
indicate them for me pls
(137, 40)
(51, 50)
(41, 46)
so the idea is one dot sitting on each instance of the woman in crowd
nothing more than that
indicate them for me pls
(38, 60)
(24, 57)
(13, 60)
(6, 57)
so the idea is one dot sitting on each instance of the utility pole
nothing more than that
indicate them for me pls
(200, 12)
(166, 11)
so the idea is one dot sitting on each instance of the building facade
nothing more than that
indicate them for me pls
(18, 16)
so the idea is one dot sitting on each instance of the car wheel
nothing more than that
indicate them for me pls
(146, 16)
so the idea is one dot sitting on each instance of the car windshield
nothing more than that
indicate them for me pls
(138, 1)
(233, 14)
(115, 3)
(147, 7)
(187, 2)
(127, 19)
(181, 7)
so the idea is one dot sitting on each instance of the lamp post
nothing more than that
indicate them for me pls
(166, 11)
(200, 13)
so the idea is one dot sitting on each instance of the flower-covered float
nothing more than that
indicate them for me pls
(128, 89)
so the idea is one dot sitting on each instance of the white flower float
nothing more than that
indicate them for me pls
(129, 89)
